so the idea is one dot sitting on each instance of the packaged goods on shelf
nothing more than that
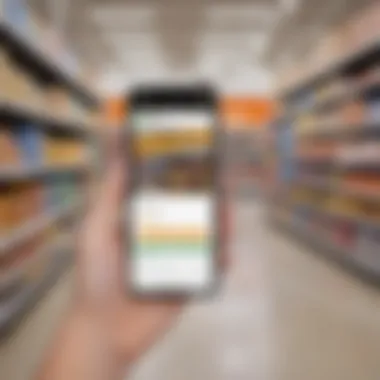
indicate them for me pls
(62, 191)
(64, 151)
(13, 213)
(10, 153)
(6, 204)
(362, 182)
(30, 140)
(353, 112)
(357, 153)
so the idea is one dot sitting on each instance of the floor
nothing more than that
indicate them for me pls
(283, 314)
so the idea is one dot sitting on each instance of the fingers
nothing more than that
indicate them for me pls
(105, 215)
(98, 244)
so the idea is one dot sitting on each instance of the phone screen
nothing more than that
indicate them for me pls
(173, 199)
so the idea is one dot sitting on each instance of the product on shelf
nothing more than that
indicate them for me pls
(64, 151)
(353, 112)
(361, 182)
(10, 154)
(62, 191)
(30, 141)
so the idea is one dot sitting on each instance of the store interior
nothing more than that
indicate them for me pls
(298, 84)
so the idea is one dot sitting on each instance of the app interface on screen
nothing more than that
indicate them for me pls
(173, 200)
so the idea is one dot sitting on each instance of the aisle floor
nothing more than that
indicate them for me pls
(283, 314)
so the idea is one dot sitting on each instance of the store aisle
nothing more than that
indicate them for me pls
(284, 315)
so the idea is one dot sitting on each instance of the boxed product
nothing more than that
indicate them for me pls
(30, 140)
(6, 223)
(65, 151)
(353, 112)
(362, 182)
(10, 154)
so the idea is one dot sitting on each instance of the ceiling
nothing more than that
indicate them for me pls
(237, 44)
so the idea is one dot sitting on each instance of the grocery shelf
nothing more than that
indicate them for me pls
(14, 174)
(329, 249)
(17, 112)
(340, 189)
(9, 277)
(40, 63)
(340, 165)
(358, 220)
(14, 309)
(359, 58)
(328, 130)
(31, 228)
(332, 101)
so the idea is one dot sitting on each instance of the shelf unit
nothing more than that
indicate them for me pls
(41, 64)
(311, 181)
(17, 174)
(330, 250)
(15, 303)
(29, 229)
(368, 53)
(16, 113)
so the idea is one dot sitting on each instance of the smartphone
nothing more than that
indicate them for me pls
(174, 195)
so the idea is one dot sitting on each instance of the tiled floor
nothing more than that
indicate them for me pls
(283, 314)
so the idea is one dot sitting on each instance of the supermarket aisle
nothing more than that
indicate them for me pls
(284, 315)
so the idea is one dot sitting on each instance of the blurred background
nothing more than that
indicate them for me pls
(299, 86)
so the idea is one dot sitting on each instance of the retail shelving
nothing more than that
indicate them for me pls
(361, 57)
(36, 132)
(28, 230)
(329, 249)
(16, 174)
(341, 130)
(15, 112)
(41, 64)
(319, 143)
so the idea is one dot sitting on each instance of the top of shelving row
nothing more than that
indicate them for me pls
(42, 65)
(352, 62)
